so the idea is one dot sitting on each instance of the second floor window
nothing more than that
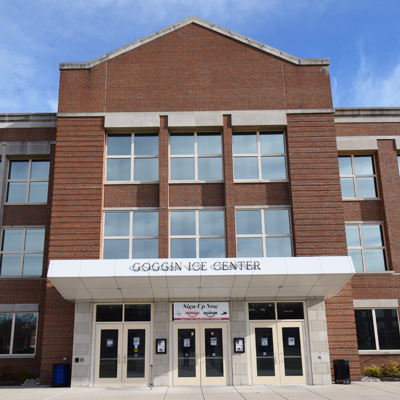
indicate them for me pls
(357, 177)
(130, 234)
(197, 233)
(22, 252)
(132, 157)
(263, 233)
(365, 246)
(28, 181)
(196, 157)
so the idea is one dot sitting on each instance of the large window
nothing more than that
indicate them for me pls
(357, 177)
(17, 333)
(197, 233)
(22, 252)
(132, 157)
(130, 234)
(263, 233)
(259, 156)
(377, 329)
(196, 157)
(28, 181)
(365, 246)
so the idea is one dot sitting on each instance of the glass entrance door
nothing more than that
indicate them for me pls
(278, 353)
(122, 355)
(200, 354)
(108, 351)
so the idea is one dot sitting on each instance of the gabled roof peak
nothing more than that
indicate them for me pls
(206, 24)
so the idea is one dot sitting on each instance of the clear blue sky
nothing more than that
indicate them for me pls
(361, 38)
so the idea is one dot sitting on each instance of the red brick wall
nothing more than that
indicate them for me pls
(190, 69)
(229, 188)
(368, 129)
(318, 222)
(16, 215)
(27, 134)
(273, 194)
(131, 195)
(78, 189)
(163, 213)
(197, 195)
(57, 337)
(365, 210)
(389, 189)
(75, 224)
(342, 334)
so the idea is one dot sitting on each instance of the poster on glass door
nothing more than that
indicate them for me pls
(207, 311)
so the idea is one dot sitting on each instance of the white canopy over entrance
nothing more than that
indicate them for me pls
(200, 279)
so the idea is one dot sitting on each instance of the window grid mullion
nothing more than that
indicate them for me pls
(28, 181)
(131, 234)
(12, 334)
(375, 330)
(196, 170)
(259, 155)
(362, 247)
(23, 251)
(132, 157)
(263, 236)
(197, 233)
(353, 170)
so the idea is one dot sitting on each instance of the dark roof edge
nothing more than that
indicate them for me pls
(28, 117)
(367, 111)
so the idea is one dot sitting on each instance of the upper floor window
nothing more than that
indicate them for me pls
(357, 176)
(365, 246)
(28, 181)
(196, 157)
(18, 333)
(197, 233)
(22, 252)
(259, 156)
(377, 329)
(263, 233)
(132, 157)
(130, 234)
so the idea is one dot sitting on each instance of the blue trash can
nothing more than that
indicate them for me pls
(61, 375)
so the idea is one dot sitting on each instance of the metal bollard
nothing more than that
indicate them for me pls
(151, 383)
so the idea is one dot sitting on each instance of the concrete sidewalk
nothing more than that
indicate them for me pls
(354, 391)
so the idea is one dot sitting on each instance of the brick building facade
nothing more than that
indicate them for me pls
(198, 213)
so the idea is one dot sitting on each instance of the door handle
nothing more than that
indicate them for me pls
(124, 358)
